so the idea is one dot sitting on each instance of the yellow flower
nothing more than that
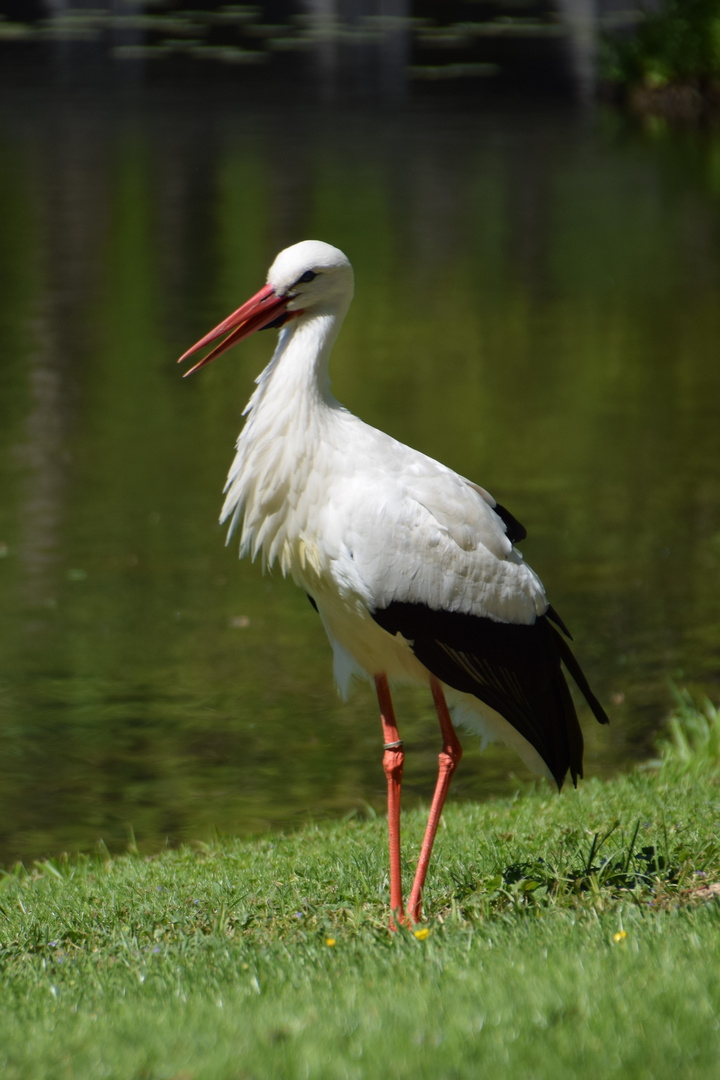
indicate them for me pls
(421, 935)
(620, 936)
(330, 941)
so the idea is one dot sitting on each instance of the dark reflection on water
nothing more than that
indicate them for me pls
(537, 304)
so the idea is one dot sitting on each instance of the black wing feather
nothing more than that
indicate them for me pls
(552, 614)
(515, 531)
(515, 669)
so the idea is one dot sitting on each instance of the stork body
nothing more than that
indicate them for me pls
(411, 567)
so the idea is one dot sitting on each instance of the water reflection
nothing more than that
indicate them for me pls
(536, 305)
(365, 48)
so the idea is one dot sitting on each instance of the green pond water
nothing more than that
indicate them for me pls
(537, 304)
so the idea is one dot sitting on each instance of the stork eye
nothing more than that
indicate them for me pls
(307, 276)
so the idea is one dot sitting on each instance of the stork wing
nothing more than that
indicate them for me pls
(514, 669)
(429, 537)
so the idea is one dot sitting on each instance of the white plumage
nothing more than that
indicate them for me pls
(411, 567)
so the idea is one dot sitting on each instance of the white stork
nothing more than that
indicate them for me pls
(411, 567)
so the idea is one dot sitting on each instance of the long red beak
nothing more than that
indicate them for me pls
(260, 310)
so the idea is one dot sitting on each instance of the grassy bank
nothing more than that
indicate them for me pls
(572, 935)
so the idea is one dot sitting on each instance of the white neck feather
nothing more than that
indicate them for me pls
(286, 417)
(298, 371)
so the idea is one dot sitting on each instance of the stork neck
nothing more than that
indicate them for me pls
(298, 375)
(307, 352)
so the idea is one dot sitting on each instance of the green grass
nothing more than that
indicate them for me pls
(568, 936)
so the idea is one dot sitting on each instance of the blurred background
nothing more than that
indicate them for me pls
(537, 304)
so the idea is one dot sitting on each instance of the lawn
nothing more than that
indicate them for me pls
(564, 936)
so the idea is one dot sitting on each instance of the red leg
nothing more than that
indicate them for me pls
(393, 759)
(448, 762)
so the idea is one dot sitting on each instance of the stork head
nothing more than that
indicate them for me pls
(308, 278)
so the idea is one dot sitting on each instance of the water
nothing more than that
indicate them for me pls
(536, 304)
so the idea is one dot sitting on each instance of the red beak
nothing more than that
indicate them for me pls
(260, 311)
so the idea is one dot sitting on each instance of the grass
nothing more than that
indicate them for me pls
(567, 936)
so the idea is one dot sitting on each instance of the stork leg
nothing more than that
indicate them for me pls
(448, 762)
(393, 759)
